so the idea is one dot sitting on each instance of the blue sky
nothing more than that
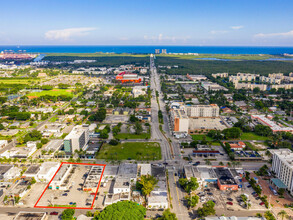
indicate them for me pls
(148, 22)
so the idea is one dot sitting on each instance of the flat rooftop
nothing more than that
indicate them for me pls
(30, 216)
(33, 169)
(225, 176)
(206, 123)
(4, 169)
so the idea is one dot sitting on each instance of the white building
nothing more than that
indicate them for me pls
(58, 181)
(179, 120)
(283, 166)
(47, 171)
(139, 90)
(12, 173)
(208, 111)
(77, 139)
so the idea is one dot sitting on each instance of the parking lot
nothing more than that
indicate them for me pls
(229, 200)
(74, 195)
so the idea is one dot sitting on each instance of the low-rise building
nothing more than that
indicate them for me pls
(59, 180)
(225, 180)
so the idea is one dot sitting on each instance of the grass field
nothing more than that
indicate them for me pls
(27, 81)
(124, 136)
(249, 136)
(54, 92)
(131, 150)
(199, 137)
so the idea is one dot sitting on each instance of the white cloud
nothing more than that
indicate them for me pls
(288, 34)
(161, 38)
(218, 32)
(237, 27)
(68, 33)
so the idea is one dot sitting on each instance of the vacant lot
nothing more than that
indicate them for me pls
(251, 136)
(54, 92)
(131, 151)
(200, 137)
(133, 136)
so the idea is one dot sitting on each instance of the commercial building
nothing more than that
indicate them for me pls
(210, 86)
(225, 180)
(275, 127)
(233, 218)
(282, 166)
(77, 139)
(196, 77)
(238, 145)
(8, 172)
(195, 111)
(93, 178)
(128, 77)
(59, 180)
(179, 120)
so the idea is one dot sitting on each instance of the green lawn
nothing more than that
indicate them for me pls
(199, 137)
(131, 150)
(54, 92)
(53, 119)
(250, 136)
(124, 136)
(19, 80)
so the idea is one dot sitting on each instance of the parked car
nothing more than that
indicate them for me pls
(230, 199)
(64, 194)
(210, 194)
(262, 203)
(53, 213)
(230, 203)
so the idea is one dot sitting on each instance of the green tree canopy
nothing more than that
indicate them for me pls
(189, 185)
(126, 210)
(168, 215)
(147, 184)
(67, 214)
(207, 209)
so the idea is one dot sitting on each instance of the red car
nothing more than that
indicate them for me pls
(230, 203)
(262, 203)
(54, 213)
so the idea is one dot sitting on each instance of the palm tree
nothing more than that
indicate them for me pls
(283, 214)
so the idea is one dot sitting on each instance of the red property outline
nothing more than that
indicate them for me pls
(88, 164)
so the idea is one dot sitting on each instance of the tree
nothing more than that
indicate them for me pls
(138, 128)
(100, 114)
(269, 216)
(168, 215)
(192, 201)
(283, 214)
(207, 209)
(132, 118)
(113, 142)
(281, 192)
(104, 134)
(122, 210)
(34, 135)
(1, 127)
(189, 185)
(263, 130)
(67, 214)
(233, 132)
(147, 184)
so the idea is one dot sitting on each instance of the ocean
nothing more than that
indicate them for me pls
(151, 49)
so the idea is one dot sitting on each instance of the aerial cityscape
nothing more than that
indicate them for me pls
(121, 110)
